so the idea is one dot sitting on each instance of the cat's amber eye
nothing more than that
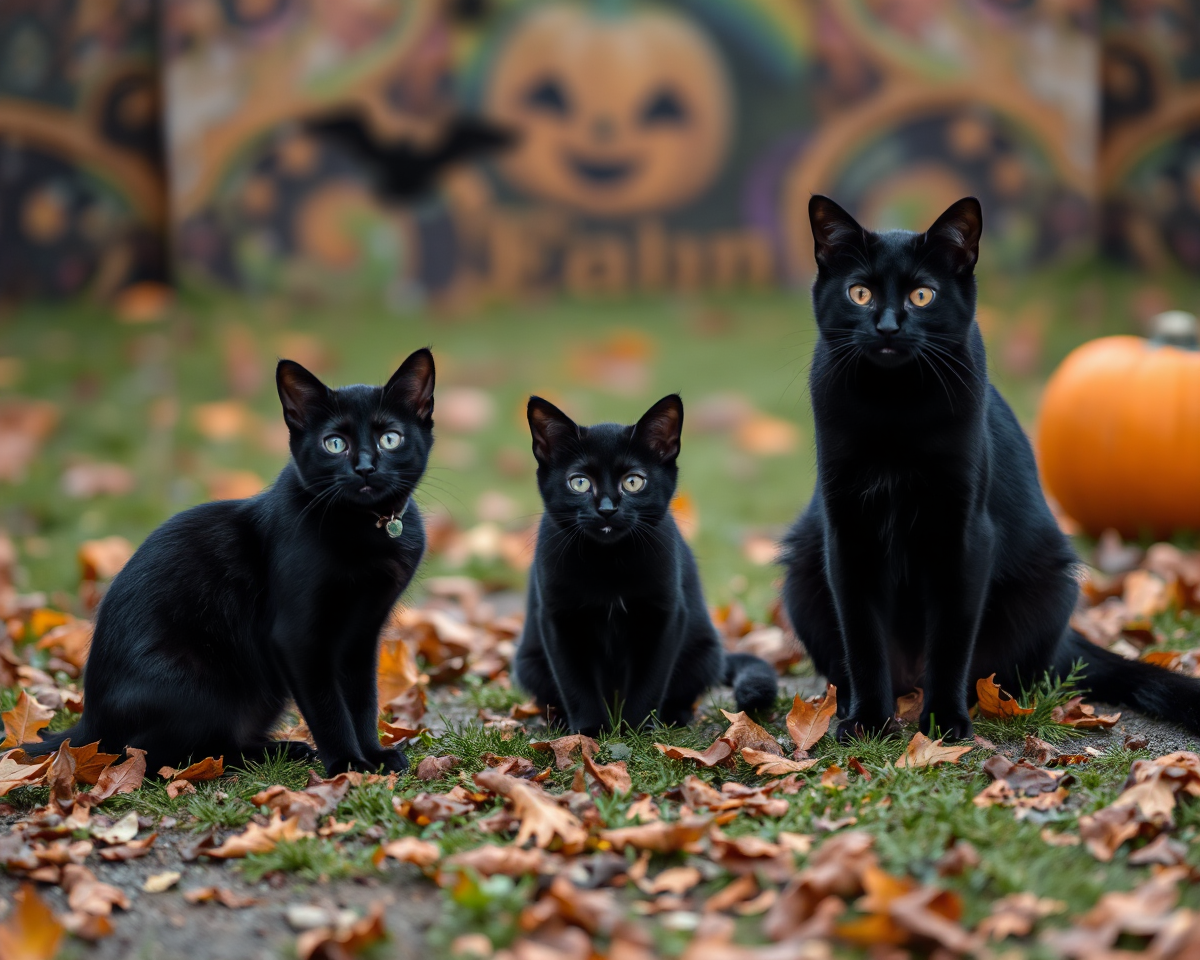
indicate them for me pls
(335, 444)
(579, 483)
(390, 440)
(633, 483)
(921, 297)
(860, 294)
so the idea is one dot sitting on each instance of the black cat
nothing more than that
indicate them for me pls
(616, 621)
(928, 556)
(230, 609)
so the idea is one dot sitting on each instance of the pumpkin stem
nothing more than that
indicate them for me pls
(1176, 328)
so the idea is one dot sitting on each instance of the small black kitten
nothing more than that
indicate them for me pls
(616, 621)
(928, 556)
(230, 609)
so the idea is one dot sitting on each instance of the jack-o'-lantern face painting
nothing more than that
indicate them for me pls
(618, 114)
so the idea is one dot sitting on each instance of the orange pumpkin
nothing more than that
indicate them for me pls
(1119, 432)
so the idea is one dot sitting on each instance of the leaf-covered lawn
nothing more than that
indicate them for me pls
(1062, 830)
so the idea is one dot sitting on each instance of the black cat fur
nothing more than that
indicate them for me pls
(616, 622)
(928, 556)
(230, 609)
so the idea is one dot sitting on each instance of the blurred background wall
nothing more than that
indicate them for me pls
(668, 146)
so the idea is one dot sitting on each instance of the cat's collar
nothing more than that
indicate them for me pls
(391, 522)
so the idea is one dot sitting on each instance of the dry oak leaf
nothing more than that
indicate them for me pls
(769, 765)
(394, 733)
(259, 839)
(1076, 713)
(995, 704)
(809, 722)
(542, 819)
(61, 777)
(908, 707)
(744, 732)
(397, 671)
(337, 943)
(434, 768)
(30, 931)
(161, 882)
(14, 774)
(306, 808)
(564, 748)
(923, 752)
(222, 895)
(491, 859)
(1141, 912)
(719, 751)
(120, 778)
(86, 894)
(122, 831)
(90, 762)
(1015, 915)
(596, 911)
(422, 853)
(739, 891)
(613, 777)
(207, 769)
(834, 777)
(129, 851)
(24, 720)
(70, 641)
(662, 836)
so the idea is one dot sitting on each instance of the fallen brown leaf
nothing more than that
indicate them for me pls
(808, 722)
(207, 769)
(222, 895)
(769, 765)
(334, 943)
(422, 853)
(662, 836)
(564, 748)
(259, 839)
(613, 777)
(120, 778)
(30, 931)
(1076, 713)
(434, 768)
(995, 704)
(13, 774)
(24, 720)
(542, 819)
(923, 752)
(719, 751)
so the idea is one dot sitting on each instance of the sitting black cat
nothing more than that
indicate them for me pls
(928, 556)
(616, 621)
(230, 609)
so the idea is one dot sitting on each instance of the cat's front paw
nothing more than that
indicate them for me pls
(947, 724)
(392, 759)
(858, 725)
(347, 764)
(296, 750)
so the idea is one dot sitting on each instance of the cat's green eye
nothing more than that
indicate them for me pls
(390, 440)
(860, 294)
(579, 483)
(335, 444)
(633, 483)
(921, 297)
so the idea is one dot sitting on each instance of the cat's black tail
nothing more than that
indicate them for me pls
(753, 681)
(1132, 683)
(52, 741)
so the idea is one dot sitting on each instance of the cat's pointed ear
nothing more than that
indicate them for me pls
(957, 232)
(549, 426)
(412, 385)
(833, 229)
(661, 426)
(300, 392)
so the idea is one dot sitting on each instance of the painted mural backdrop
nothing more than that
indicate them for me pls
(82, 196)
(661, 145)
(1150, 156)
